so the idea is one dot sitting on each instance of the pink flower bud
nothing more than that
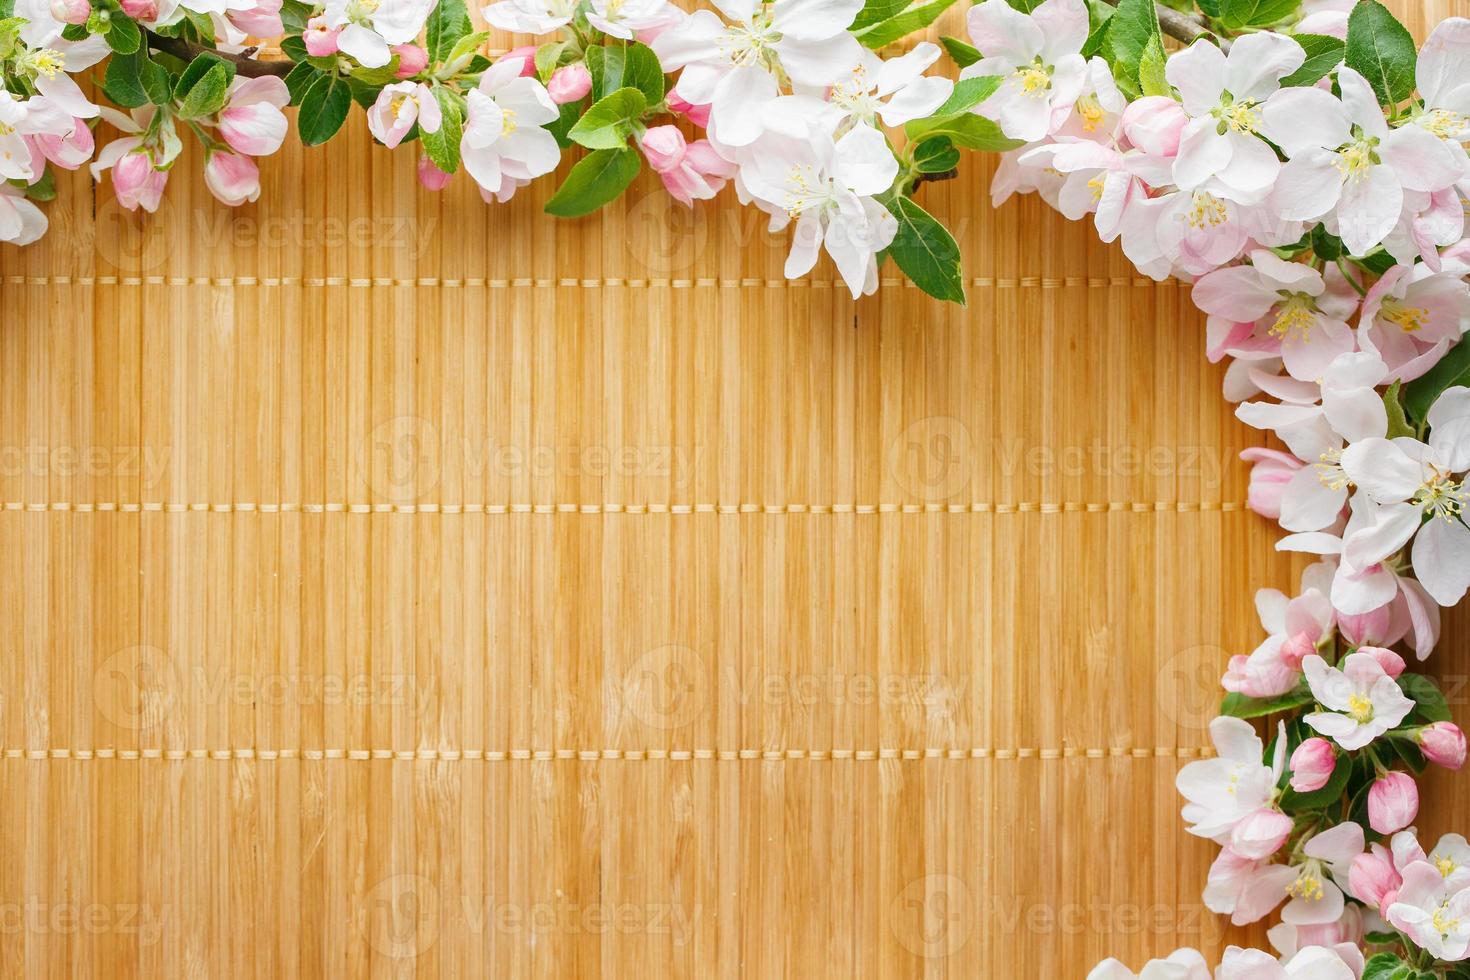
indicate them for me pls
(1271, 472)
(697, 114)
(69, 151)
(321, 40)
(527, 57)
(1369, 627)
(431, 176)
(411, 59)
(1373, 877)
(136, 183)
(664, 147)
(146, 10)
(1392, 664)
(71, 11)
(1443, 744)
(1261, 834)
(232, 178)
(569, 83)
(1393, 802)
(1154, 125)
(1312, 764)
(1297, 648)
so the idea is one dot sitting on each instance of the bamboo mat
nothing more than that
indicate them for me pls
(401, 586)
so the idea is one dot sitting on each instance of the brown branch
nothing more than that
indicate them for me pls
(244, 64)
(1183, 27)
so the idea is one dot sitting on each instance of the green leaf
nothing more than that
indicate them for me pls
(1382, 51)
(295, 49)
(1387, 966)
(968, 93)
(443, 146)
(448, 22)
(1323, 55)
(876, 12)
(465, 49)
(1132, 27)
(935, 155)
(616, 66)
(121, 82)
(1099, 16)
(1325, 244)
(570, 113)
(911, 19)
(1235, 14)
(1398, 424)
(549, 58)
(294, 15)
(123, 35)
(1025, 6)
(299, 79)
(1331, 791)
(964, 129)
(597, 178)
(1151, 80)
(43, 189)
(609, 123)
(960, 53)
(207, 95)
(323, 110)
(1453, 369)
(1210, 8)
(197, 69)
(1429, 703)
(926, 251)
(1239, 706)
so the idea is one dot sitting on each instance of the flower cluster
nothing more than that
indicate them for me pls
(1299, 162)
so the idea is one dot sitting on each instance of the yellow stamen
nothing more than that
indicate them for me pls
(1035, 80)
(1446, 866)
(1330, 470)
(507, 121)
(1307, 886)
(1091, 111)
(1443, 496)
(1296, 314)
(1360, 709)
(1410, 319)
(1206, 211)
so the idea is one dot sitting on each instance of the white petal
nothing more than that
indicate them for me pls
(1258, 62)
(863, 162)
(1442, 560)
(1383, 469)
(1303, 118)
(1369, 209)
(814, 20)
(1198, 72)
(1308, 187)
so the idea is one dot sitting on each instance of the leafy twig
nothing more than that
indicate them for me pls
(244, 64)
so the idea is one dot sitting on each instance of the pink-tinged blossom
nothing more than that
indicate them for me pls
(1433, 909)
(1419, 497)
(1374, 877)
(21, 222)
(1183, 964)
(1345, 162)
(398, 107)
(1312, 883)
(1294, 627)
(1221, 150)
(320, 38)
(71, 11)
(530, 16)
(689, 171)
(252, 121)
(1271, 471)
(1225, 790)
(1038, 57)
(231, 177)
(1344, 962)
(369, 28)
(505, 144)
(625, 18)
(1154, 124)
(1393, 665)
(1411, 316)
(1443, 743)
(135, 181)
(1362, 701)
(697, 114)
(1312, 765)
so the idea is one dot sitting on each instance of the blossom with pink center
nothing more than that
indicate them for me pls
(1313, 882)
(135, 180)
(689, 171)
(1411, 316)
(1288, 294)
(320, 38)
(1271, 471)
(1374, 876)
(1295, 628)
